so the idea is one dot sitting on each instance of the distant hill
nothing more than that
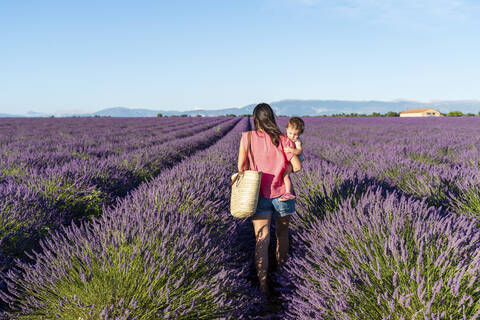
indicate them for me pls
(308, 107)
(5, 115)
(125, 112)
(293, 107)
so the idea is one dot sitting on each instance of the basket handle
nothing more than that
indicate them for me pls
(249, 151)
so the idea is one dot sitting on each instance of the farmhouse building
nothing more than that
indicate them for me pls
(427, 112)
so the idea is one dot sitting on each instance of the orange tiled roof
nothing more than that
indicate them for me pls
(417, 110)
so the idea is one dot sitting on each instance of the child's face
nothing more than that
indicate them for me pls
(293, 133)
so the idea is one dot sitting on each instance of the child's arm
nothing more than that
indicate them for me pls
(291, 150)
(297, 151)
(298, 145)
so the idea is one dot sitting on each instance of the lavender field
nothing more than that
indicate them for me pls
(123, 218)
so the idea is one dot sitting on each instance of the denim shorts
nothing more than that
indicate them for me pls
(277, 208)
(301, 157)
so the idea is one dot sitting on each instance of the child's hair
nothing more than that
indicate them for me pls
(296, 123)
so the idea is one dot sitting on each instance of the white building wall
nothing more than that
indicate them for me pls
(411, 114)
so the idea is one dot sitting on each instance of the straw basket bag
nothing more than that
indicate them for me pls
(245, 189)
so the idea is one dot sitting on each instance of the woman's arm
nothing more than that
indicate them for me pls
(242, 157)
(296, 164)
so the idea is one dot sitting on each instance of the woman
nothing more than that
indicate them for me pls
(267, 143)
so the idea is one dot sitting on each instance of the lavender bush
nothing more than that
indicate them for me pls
(385, 257)
(323, 186)
(19, 199)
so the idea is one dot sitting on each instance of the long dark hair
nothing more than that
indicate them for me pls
(264, 118)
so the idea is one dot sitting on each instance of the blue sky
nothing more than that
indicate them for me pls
(82, 56)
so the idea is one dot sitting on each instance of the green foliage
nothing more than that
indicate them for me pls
(17, 172)
(420, 185)
(76, 198)
(119, 280)
(424, 158)
(319, 193)
(467, 202)
(392, 114)
(159, 115)
(81, 155)
(455, 114)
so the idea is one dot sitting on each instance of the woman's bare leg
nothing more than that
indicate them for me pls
(286, 178)
(261, 226)
(281, 226)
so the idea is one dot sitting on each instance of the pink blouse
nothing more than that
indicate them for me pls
(270, 160)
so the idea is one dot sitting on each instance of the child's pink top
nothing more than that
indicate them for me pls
(270, 160)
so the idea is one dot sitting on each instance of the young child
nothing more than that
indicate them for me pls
(295, 127)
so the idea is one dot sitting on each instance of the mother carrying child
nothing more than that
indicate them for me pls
(267, 144)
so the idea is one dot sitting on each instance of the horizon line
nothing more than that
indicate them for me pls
(203, 108)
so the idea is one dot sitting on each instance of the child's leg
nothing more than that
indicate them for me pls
(286, 178)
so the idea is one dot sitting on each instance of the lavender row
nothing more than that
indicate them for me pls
(426, 158)
(444, 141)
(383, 256)
(59, 195)
(61, 133)
(364, 249)
(165, 251)
(74, 135)
(95, 142)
